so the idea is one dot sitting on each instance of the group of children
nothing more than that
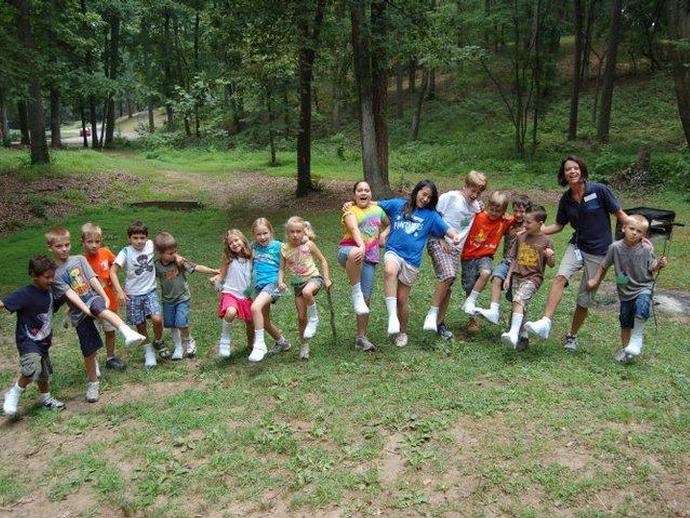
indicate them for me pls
(455, 228)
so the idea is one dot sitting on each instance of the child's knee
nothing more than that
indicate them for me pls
(484, 274)
(156, 319)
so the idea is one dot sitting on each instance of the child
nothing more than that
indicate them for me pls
(458, 209)
(100, 258)
(297, 255)
(73, 272)
(488, 228)
(528, 256)
(412, 222)
(140, 288)
(521, 204)
(171, 270)
(266, 266)
(635, 266)
(235, 280)
(34, 307)
(358, 253)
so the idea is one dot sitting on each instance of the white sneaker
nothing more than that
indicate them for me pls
(132, 338)
(149, 356)
(509, 339)
(359, 305)
(258, 352)
(401, 340)
(92, 392)
(304, 352)
(634, 347)
(178, 352)
(310, 330)
(11, 403)
(393, 325)
(224, 350)
(190, 348)
(430, 322)
(541, 327)
(491, 316)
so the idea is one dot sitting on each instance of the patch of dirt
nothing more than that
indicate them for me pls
(569, 456)
(23, 202)
(673, 303)
(393, 464)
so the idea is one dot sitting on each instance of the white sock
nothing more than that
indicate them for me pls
(469, 305)
(431, 318)
(17, 388)
(473, 296)
(636, 338)
(44, 396)
(226, 333)
(491, 314)
(311, 311)
(541, 327)
(358, 302)
(259, 340)
(176, 337)
(511, 337)
(393, 322)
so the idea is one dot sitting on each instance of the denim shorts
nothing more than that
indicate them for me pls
(639, 307)
(501, 271)
(368, 276)
(176, 314)
(271, 289)
(471, 269)
(141, 307)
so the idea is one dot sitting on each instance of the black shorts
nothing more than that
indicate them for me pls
(89, 337)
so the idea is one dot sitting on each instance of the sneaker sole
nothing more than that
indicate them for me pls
(507, 341)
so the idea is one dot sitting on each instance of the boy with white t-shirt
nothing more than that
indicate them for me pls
(140, 288)
(458, 209)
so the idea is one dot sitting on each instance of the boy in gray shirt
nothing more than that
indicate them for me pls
(635, 264)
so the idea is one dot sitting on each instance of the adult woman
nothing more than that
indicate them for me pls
(587, 207)
(358, 253)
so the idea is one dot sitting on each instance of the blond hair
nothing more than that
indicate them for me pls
(475, 179)
(262, 222)
(164, 241)
(229, 255)
(306, 226)
(641, 221)
(90, 229)
(499, 199)
(56, 233)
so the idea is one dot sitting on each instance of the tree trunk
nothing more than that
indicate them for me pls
(23, 116)
(417, 114)
(271, 133)
(609, 79)
(399, 107)
(4, 126)
(197, 122)
(306, 56)
(577, 69)
(411, 77)
(167, 71)
(55, 141)
(114, 62)
(679, 28)
(84, 137)
(379, 79)
(431, 90)
(152, 122)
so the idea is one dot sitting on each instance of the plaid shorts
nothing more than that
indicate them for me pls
(141, 307)
(445, 263)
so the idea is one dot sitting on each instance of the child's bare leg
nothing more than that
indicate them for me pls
(301, 306)
(262, 300)
(625, 336)
(110, 343)
(23, 381)
(579, 317)
(403, 306)
(362, 323)
(250, 335)
(492, 314)
(496, 289)
(353, 269)
(272, 330)
(480, 284)
(141, 329)
(157, 326)
(224, 346)
(43, 386)
(308, 295)
(90, 365)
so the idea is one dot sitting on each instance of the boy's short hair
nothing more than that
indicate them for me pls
(57, 233)
(164, 241)
(499, 199)
(537, 212)
(521, 200)
(40, 264)
(137, 227)
(476, 179)
(90, 229)
(640, 220)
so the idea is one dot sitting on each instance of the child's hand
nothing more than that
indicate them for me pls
(214, 279)
(327, 282)
(122, 297)
(592, 284)
(347, 206)
(549, 253)
(506, 284)
(662, 262)
(282, 286)
(358, 254)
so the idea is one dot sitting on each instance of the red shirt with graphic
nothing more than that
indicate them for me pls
(485, 235)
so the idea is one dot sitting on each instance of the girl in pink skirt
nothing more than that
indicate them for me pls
(235, 282)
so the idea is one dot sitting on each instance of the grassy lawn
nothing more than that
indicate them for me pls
(459, 428)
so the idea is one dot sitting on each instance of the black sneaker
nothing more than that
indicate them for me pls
(281, 346)
(53, 404)
(523, 344)
(444, 332)
(162, 349)
(115, 364)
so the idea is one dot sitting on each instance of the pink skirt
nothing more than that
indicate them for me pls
(243, 306)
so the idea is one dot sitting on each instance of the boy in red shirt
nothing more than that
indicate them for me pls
(486, 233)
(100, 259)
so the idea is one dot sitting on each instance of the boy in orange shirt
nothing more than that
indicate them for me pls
(101, 258)
(486, 233)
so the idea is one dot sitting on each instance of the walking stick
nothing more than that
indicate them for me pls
(331, 310)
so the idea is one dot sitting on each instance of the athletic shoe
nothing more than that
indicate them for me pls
(178, 352)
(149, 356)
(224, 349)
(53, 404)
(92, 392)
(541, 327)
(304, 351)
(523, 344)
(115, 364)
(11, 403)
(163, 353)
(190, 348)
(444, 332)
(571, 343)
(258, 353)
(364, 344)
(401, 340)
(281, 346)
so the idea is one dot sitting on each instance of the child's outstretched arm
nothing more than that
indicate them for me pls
(281, 274)
(324, 264)
(206, 270)
(96, 285)
(594, 282)
(550, 256)
(121, 295)
(72, 296)
(454, 235)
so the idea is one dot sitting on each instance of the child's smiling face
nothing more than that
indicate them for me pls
(423, 197)
(519, 212)
(167, 256)
(235, 244)
(532, 225)
(495, 211)
(295, 233)
(262, 235)
(362, 195)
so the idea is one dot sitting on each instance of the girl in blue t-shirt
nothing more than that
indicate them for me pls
(265, 274)
(411, 221)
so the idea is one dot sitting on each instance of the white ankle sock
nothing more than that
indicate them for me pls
(311, 311)
(226, 333)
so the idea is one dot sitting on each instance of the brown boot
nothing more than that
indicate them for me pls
(472, 325)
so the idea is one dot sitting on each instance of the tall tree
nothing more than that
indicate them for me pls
(679, 17)
(577, 68)
(608, 81)
(113, 61)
